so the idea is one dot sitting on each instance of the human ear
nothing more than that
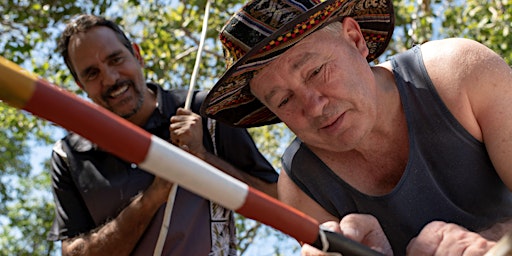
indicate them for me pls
(136, 52)
(353, 33)
(79, 84)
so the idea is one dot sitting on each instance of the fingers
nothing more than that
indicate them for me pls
(184, 114)
(308, 250)
(333, 226)
(183, 111)
(185, 127)
(183, 119)
(362, 228)
(440, 238)
(427, 241)
(359, 226)
(185, 147)
(365, 229)
(186, 132)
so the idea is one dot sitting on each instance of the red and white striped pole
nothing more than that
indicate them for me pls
(26, 91)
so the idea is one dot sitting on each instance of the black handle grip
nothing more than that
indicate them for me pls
(341, 244)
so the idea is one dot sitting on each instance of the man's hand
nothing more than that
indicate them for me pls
(158, 191)
(440, 238)
(186, 131)
(361, 228)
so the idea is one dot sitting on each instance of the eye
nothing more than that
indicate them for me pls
(91, 75)
(315, 72)
(117, 60)
(283, 102)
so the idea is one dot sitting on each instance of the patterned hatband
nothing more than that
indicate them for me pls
(264, 29)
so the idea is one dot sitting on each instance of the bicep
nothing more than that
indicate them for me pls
(292, 195)
(478, 91)
(493, 111)
(491, 97)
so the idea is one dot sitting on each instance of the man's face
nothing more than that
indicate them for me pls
(322, 89)
(110, 75)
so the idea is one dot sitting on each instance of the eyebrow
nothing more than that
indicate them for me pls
(269, 95)
(86, 71)
(110, 56)
(302, 60)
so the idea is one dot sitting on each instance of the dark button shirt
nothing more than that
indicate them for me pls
(92, 186)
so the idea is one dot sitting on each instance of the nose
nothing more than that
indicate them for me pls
(110, 76)
(312, 102)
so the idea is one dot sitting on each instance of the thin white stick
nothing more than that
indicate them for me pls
(166, 221)
(193, 78)
(188, 102)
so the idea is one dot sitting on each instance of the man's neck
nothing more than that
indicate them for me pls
(147, 108)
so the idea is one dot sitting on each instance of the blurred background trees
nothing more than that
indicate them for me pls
(168, 33)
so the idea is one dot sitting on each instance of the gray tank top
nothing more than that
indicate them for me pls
(448, 177)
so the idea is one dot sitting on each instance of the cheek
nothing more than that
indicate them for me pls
(95, 96)
(294, 121)
(91, 92)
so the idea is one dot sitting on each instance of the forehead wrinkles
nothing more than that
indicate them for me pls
(302, 59)
(97, 39)
(76, 47)
(92, 47)
(301, 53)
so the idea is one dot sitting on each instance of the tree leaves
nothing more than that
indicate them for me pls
(168, 33)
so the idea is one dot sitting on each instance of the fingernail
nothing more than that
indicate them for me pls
(349, 232)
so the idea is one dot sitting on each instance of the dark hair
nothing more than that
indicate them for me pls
(84, 23)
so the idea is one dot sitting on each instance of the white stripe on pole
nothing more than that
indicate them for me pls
(172, 163)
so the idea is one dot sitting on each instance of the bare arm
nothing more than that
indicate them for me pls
(361, 228)
(187, 133)
(120, 235)
(291, 194)
(477, 90)
(440, 238)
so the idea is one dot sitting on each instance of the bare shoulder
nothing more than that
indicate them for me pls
(476, 85)
(455, 47)
(458, 60)
(467, 76)
(464, 66)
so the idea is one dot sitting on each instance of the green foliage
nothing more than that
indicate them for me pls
(168, 33)
(27, 214)
(283, 244)
(30, 218)
(488, 22)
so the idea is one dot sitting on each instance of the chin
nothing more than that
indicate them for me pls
(126, 112)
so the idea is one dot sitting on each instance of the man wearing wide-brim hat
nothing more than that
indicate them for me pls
(408, 156)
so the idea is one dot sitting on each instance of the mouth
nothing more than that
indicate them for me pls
(117, 90)
(333, 123)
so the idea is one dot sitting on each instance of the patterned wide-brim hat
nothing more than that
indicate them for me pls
(262, 30)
